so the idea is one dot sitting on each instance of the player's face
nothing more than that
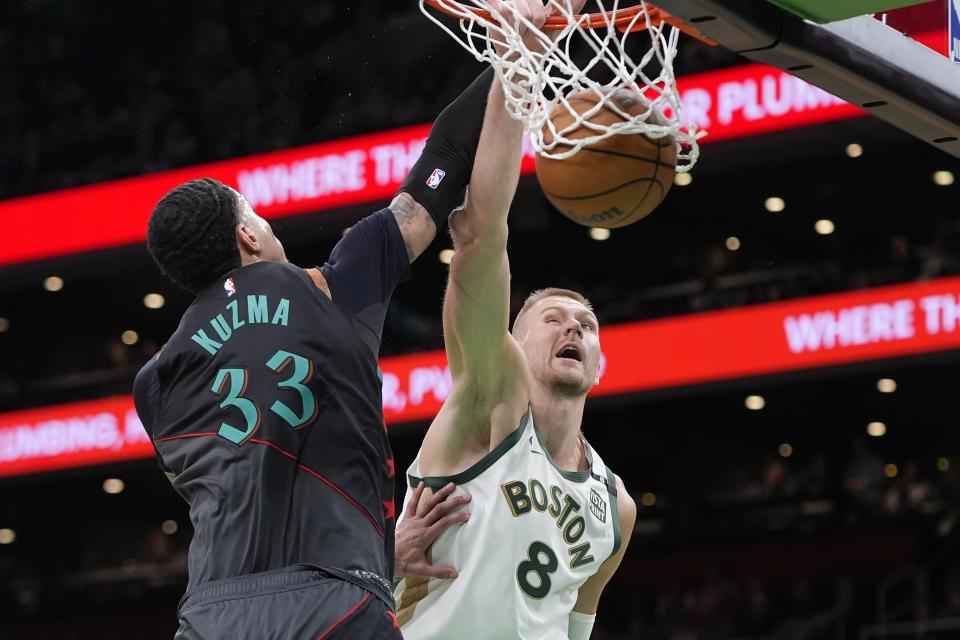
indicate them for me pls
(561, 340)
(271, 248)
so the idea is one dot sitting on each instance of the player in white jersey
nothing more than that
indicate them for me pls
(548, 520)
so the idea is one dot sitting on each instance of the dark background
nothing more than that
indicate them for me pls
(735, 539)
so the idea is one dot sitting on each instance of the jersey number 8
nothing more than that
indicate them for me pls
(541, 569)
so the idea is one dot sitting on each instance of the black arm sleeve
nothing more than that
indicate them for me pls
(439, 177)
(364, 269)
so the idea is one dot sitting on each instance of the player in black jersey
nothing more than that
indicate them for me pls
(265, 405)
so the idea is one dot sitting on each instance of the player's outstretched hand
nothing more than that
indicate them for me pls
(536, 13)
(420, 526)
(532, 11)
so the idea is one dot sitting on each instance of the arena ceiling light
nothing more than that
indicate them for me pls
(854, 150)
(53, 283)
(154, 301)
(943, 178)
(7, 536)
(774, 204)
(733, 243)
(943, 464)
(648, 499)
(824, 227)
(600, 234)
(446, 255)
(129, 337)
(755, 403)
(891, 470)
(876, 429)
(785, 450)
(886, 385)
(4, 325)
(113, 486)
(682, 179)
(169, 527)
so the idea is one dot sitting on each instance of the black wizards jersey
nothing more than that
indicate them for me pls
(265, 410)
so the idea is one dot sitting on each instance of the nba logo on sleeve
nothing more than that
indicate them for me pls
(436, 178)
(229, 287)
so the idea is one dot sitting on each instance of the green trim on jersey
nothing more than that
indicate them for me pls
(614, 511)
(572, 476)
(484, 463)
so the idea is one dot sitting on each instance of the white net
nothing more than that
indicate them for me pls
(539, 80)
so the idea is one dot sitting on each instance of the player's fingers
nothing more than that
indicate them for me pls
(522, 9)
(446, 522)
(498, 8)
(448, 505)
(577, 6)
(447, 573)
(411, 509)
(536, 12)
(541, 13)
(438, 496)
(429, 571)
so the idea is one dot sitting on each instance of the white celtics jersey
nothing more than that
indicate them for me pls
(535, 535)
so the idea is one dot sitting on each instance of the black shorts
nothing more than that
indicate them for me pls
(295, 603)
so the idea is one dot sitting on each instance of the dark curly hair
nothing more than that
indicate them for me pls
(191, 234)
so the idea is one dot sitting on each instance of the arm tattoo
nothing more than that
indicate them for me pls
(405, 209)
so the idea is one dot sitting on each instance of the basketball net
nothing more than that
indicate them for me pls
(537, 82)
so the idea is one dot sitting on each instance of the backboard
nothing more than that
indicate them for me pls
(893, 64)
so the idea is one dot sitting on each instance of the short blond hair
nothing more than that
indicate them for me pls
(549, 292)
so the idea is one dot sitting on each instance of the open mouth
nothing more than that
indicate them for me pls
(570, 352)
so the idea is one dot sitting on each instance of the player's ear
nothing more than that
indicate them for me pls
(247, 239)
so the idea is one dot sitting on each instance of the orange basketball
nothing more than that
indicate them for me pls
(614, 182)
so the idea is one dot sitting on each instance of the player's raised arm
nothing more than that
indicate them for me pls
(435, 185)
(476, 305)
(370, 261)
(485, 362)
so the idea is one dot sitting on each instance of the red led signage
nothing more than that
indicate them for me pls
(71, 435)
(729, 103)
(807, 333)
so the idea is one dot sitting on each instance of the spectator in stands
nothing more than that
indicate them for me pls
(863, 481)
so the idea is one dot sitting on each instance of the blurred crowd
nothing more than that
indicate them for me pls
(720, 607)
(861, 488)
(124, 89)
(121, 89)
(719, 278)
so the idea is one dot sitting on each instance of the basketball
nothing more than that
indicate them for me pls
(614, 182)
